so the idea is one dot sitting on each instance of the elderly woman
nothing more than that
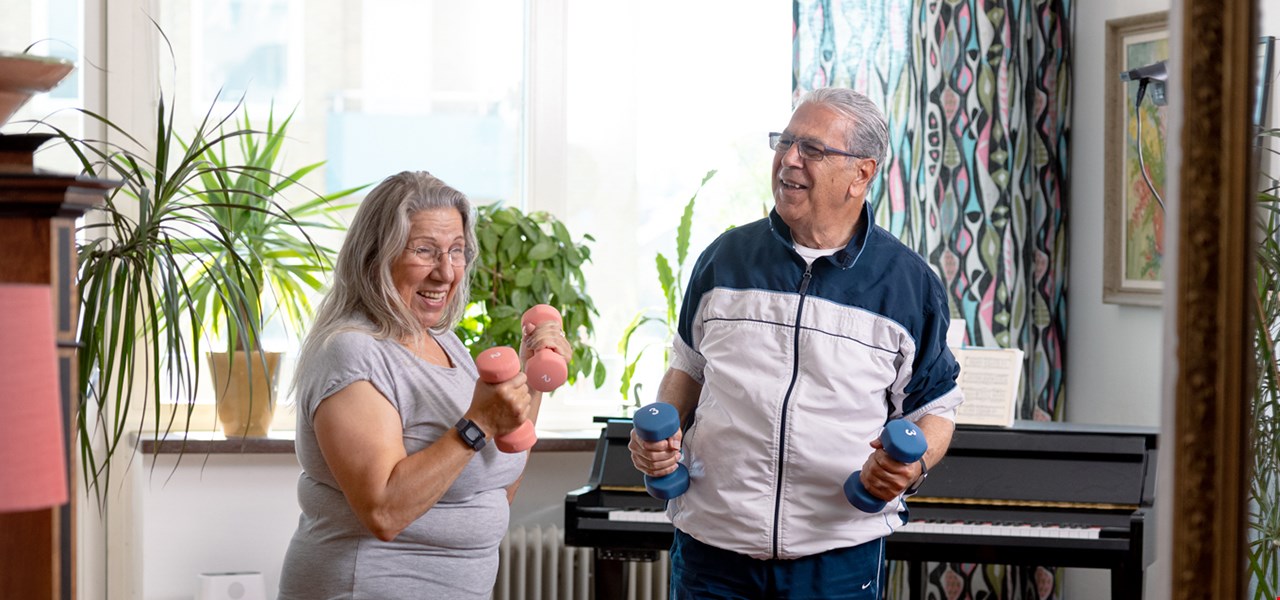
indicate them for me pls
(400, 495)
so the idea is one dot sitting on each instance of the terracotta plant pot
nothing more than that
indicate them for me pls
(245, 392)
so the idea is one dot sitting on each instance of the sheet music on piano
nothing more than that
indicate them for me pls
(991, 380)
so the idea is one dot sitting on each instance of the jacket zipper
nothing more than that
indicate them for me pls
(782, 429)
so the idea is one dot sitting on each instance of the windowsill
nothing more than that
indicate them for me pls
(281, 442)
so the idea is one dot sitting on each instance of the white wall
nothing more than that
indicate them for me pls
(1113, 352)
(237, 513)
(227, 513)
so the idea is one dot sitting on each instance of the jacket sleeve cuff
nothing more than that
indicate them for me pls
(943, 406)
(688, 360)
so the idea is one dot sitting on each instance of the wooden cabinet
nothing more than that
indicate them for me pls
(38, 211)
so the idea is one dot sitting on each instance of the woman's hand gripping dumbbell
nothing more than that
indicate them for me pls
(545, 367)
(904, 442)
(656, 423)
(497, 365)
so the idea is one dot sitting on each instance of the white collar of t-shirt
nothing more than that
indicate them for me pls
(811, 254)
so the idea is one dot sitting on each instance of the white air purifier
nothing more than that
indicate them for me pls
(232, 585)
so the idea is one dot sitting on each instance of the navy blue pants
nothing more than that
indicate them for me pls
(703, 572)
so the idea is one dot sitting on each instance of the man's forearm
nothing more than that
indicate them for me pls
(681, 391)
(937, 431)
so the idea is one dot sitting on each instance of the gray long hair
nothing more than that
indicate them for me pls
(362, 285)
(869, 135)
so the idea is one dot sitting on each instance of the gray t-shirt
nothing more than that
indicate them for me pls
(449, 552)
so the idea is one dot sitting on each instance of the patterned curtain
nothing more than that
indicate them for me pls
(978, 100)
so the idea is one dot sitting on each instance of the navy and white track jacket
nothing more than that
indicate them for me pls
(801, 366)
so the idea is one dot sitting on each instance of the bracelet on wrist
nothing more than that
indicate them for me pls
(915, 485)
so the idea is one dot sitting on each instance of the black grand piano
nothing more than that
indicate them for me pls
(1051, 494)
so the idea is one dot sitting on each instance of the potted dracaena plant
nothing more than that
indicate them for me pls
(192, 237)
(266, 254)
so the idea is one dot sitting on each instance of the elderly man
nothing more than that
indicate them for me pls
(801, 335)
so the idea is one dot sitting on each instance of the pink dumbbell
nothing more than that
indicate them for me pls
(547, 370)
(497, 365)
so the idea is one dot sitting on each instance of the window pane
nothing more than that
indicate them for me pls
(374, 88)
(659, 93)
(378, 87)
(250, 49)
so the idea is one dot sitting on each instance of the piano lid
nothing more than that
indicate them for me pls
(1041, 464)
(612, 469)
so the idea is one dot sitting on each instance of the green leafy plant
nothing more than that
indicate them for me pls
(672, 285)
(178, 207)
(527, 259)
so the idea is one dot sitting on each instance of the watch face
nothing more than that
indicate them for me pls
(471, 433)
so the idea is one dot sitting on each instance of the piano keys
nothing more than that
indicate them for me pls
(640, 516)
(1051, 494)
(1005, 528)
(614, 485)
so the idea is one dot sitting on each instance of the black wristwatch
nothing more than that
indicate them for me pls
(470, 433)
(915, 485)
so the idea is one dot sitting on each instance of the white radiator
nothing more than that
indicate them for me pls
(534, 564)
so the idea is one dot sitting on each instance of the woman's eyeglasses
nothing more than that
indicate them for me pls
(430, 257)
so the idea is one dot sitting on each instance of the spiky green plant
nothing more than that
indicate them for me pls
(183, 208)
(281, 262)
(672, 284)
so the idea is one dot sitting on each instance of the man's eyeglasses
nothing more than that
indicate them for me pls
(430, 257)
(808, 150)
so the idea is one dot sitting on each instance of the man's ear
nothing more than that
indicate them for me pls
(865, 170)
(867, 167)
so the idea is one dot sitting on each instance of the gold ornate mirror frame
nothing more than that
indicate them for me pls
(1212, 322)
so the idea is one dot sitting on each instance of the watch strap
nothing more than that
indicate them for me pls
(915, 485)
(470, 433)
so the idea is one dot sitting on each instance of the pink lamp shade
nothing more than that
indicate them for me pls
(33, 472)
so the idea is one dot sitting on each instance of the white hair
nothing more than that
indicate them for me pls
(362, 285)
(868, 135)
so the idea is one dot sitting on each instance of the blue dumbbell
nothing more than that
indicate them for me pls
(905, 443)
(653, 423)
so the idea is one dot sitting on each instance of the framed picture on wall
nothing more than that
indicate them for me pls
(1135, 152)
